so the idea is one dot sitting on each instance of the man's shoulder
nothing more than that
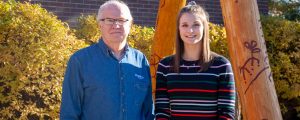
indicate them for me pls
(84, 52)
(136, 52)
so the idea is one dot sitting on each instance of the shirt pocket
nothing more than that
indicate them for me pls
(141, 85)
(137, 88)
(139, 80)
(140, 92)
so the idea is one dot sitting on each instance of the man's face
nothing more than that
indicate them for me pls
(114, 24)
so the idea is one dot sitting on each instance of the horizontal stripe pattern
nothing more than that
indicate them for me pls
(195, 95)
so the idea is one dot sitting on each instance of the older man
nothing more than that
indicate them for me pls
(108, 80)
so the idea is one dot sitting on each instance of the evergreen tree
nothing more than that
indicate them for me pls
(287, 9)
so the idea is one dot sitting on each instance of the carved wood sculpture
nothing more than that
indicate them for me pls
(165, 33)
(250, 60)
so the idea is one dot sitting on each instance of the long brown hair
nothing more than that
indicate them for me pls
(205, 54)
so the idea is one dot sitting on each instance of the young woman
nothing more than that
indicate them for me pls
(195, 83)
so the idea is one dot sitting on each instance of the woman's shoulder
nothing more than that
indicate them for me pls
(219, 59)
(167, 60)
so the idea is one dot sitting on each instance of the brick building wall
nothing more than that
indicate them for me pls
(144, 11)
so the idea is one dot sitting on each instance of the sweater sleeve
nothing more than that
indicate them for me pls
(226, 93)
(162, 109)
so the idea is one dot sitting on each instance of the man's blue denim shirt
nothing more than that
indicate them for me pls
(97, 86)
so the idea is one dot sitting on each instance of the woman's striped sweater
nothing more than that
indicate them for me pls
(193, 95)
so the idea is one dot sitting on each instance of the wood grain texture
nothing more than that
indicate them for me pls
(250, 62)
(165, 33)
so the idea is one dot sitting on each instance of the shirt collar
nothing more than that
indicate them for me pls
(104, 48)
(107, 51)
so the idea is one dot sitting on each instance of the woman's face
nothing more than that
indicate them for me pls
(191, 29)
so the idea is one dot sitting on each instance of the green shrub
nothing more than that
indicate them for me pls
(34, 49)
(283, 45)
(141, 38)
(218, 42)
(88, 29)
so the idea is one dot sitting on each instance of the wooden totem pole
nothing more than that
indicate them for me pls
(250, 62)
(165, 33)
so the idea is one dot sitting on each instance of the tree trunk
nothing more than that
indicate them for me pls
(165, 33)
(250, 62)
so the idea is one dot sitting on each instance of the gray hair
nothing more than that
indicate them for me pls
(115, 3)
